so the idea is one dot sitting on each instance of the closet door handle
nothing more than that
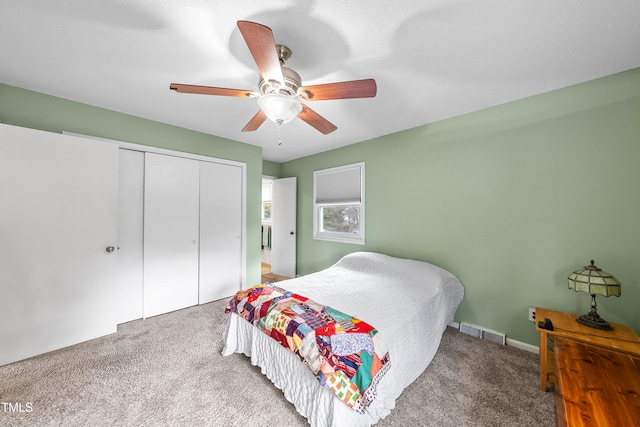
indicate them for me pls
(291, 232)
(110, 249)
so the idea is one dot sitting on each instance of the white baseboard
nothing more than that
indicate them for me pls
(513, 343)
(523, 346)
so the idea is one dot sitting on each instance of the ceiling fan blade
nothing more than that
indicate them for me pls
(210, 90)
(316, 120)
(343, 90)
(255, 122)
(259, 39)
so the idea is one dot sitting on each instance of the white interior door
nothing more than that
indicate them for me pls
(171, 233)
(130, 232)
(220, 231)
(283, 234)
(58, 215)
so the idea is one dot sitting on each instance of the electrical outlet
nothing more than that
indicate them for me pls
(532, 314)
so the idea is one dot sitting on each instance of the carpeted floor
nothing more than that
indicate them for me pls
(269, 277)
(272, 278)
(168, 371)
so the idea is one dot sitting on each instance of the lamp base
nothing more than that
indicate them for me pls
(593, 320)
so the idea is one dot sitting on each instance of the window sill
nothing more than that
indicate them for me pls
(339, 239)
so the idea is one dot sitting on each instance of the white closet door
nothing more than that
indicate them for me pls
(171, 233)
(58, 215)
(130, 231)
(220, 231)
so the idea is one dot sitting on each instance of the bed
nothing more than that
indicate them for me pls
(408, 302)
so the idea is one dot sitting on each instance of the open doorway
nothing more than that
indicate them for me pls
(267, 232)
(267, 227)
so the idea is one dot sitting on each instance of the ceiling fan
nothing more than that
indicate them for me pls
(280, 92)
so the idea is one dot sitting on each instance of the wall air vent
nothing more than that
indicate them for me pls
(485, 334)
(496, 337)
(472, 330)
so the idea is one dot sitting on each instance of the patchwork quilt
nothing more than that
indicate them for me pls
(347, 356)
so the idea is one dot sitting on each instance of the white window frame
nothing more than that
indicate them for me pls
(318, 234)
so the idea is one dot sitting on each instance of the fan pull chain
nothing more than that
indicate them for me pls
(278, 124)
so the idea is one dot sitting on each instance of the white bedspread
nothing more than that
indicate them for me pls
(409, 302)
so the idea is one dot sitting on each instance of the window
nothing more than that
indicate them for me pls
(338, 204)
(266, 199)
(266, 210)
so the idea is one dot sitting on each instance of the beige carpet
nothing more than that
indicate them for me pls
(272, 278)
(269, 277)
(168, 371)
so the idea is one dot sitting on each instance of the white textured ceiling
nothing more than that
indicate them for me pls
(431, 59)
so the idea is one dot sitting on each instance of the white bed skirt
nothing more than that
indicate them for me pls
(287, 372)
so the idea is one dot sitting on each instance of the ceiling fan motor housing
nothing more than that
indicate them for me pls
(292, 82)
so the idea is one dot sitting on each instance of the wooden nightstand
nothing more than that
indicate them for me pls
(622, 338)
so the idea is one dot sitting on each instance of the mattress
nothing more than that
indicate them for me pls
(409, 302)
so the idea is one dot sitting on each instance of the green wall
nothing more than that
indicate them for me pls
(38, 111)
(510, 199)
(271, 168)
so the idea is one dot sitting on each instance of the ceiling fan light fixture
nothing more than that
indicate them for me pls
(280, 91)
(280, 108)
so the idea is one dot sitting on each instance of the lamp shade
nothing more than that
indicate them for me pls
(594, 281)
(280, 108)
